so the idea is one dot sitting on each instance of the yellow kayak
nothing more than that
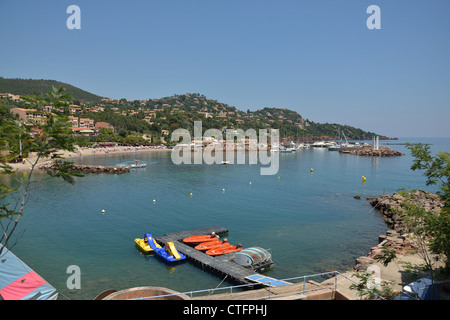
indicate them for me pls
(144, 246)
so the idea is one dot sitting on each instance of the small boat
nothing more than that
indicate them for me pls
(138, 164)
(336, 147)
(170, 253)
(319, 144)
(200, 239)
(143, 244)
(212, 245)
(221, 251)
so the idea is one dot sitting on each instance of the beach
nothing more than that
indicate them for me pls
(27, 164)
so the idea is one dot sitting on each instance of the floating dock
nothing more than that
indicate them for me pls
(222, 265)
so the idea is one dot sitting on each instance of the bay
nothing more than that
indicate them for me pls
(310, 221)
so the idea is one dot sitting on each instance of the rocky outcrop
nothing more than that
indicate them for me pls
(87, 168)
(390, 206)
(369, 152)
(399, 238)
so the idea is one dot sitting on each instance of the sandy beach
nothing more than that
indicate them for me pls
(84, 152)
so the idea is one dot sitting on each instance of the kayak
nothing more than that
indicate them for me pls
(200, 239)
(212, 245)
(220, 251)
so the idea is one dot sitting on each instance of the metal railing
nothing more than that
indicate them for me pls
(268, 285)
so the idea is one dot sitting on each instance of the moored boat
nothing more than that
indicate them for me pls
(221, 251)
(212, 245)
(170, 253)
(143, 244)
(200, 239)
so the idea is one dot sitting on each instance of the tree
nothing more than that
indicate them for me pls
(55, 136)
(435, 225)
(431, 230)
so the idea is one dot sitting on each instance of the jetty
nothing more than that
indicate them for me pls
(222, 265)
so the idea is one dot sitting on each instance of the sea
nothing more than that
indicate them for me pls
(310, 222)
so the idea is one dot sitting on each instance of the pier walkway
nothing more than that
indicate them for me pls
(221, 265)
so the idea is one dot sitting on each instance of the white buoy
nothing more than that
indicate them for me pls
(103, 211)
(154, 201)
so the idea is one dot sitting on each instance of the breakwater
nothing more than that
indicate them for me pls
(369, 152)
(86, 168)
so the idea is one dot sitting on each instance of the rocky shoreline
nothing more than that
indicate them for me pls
(88, 168)
(398, 237)
(369, 152)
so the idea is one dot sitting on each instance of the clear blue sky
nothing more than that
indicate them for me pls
(315, 57)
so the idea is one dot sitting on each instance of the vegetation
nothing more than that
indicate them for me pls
(55, 135)
(435, 225)
(32, 86)
(155, 116)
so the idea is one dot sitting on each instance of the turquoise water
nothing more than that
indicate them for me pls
(310, 221)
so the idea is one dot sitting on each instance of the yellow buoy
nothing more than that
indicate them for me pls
(223, 190)
(278, 177)
(312, 170)
(250, 183)
(190, 194)
(364, 179)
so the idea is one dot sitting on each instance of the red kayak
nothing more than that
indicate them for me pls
(212, 245)
(220, 251)
(200, 239)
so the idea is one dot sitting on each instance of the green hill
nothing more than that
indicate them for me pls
(29, 86)
(180, 110)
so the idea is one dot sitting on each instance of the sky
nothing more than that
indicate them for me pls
(318, 58)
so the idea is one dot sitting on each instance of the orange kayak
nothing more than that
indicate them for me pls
(200, 239)
(220, 251)
(212, 245)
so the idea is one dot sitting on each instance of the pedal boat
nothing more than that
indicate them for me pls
(170, 253)
(144, 246)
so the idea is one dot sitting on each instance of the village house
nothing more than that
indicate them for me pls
(75, 109)
(103, 125)
(30, 115)
(86, 123)
(73, 121)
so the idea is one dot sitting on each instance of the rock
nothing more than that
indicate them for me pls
(362, 263)
(357, 197)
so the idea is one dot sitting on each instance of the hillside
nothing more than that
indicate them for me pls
(162, 116)
(29, 86)
(179, 111)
